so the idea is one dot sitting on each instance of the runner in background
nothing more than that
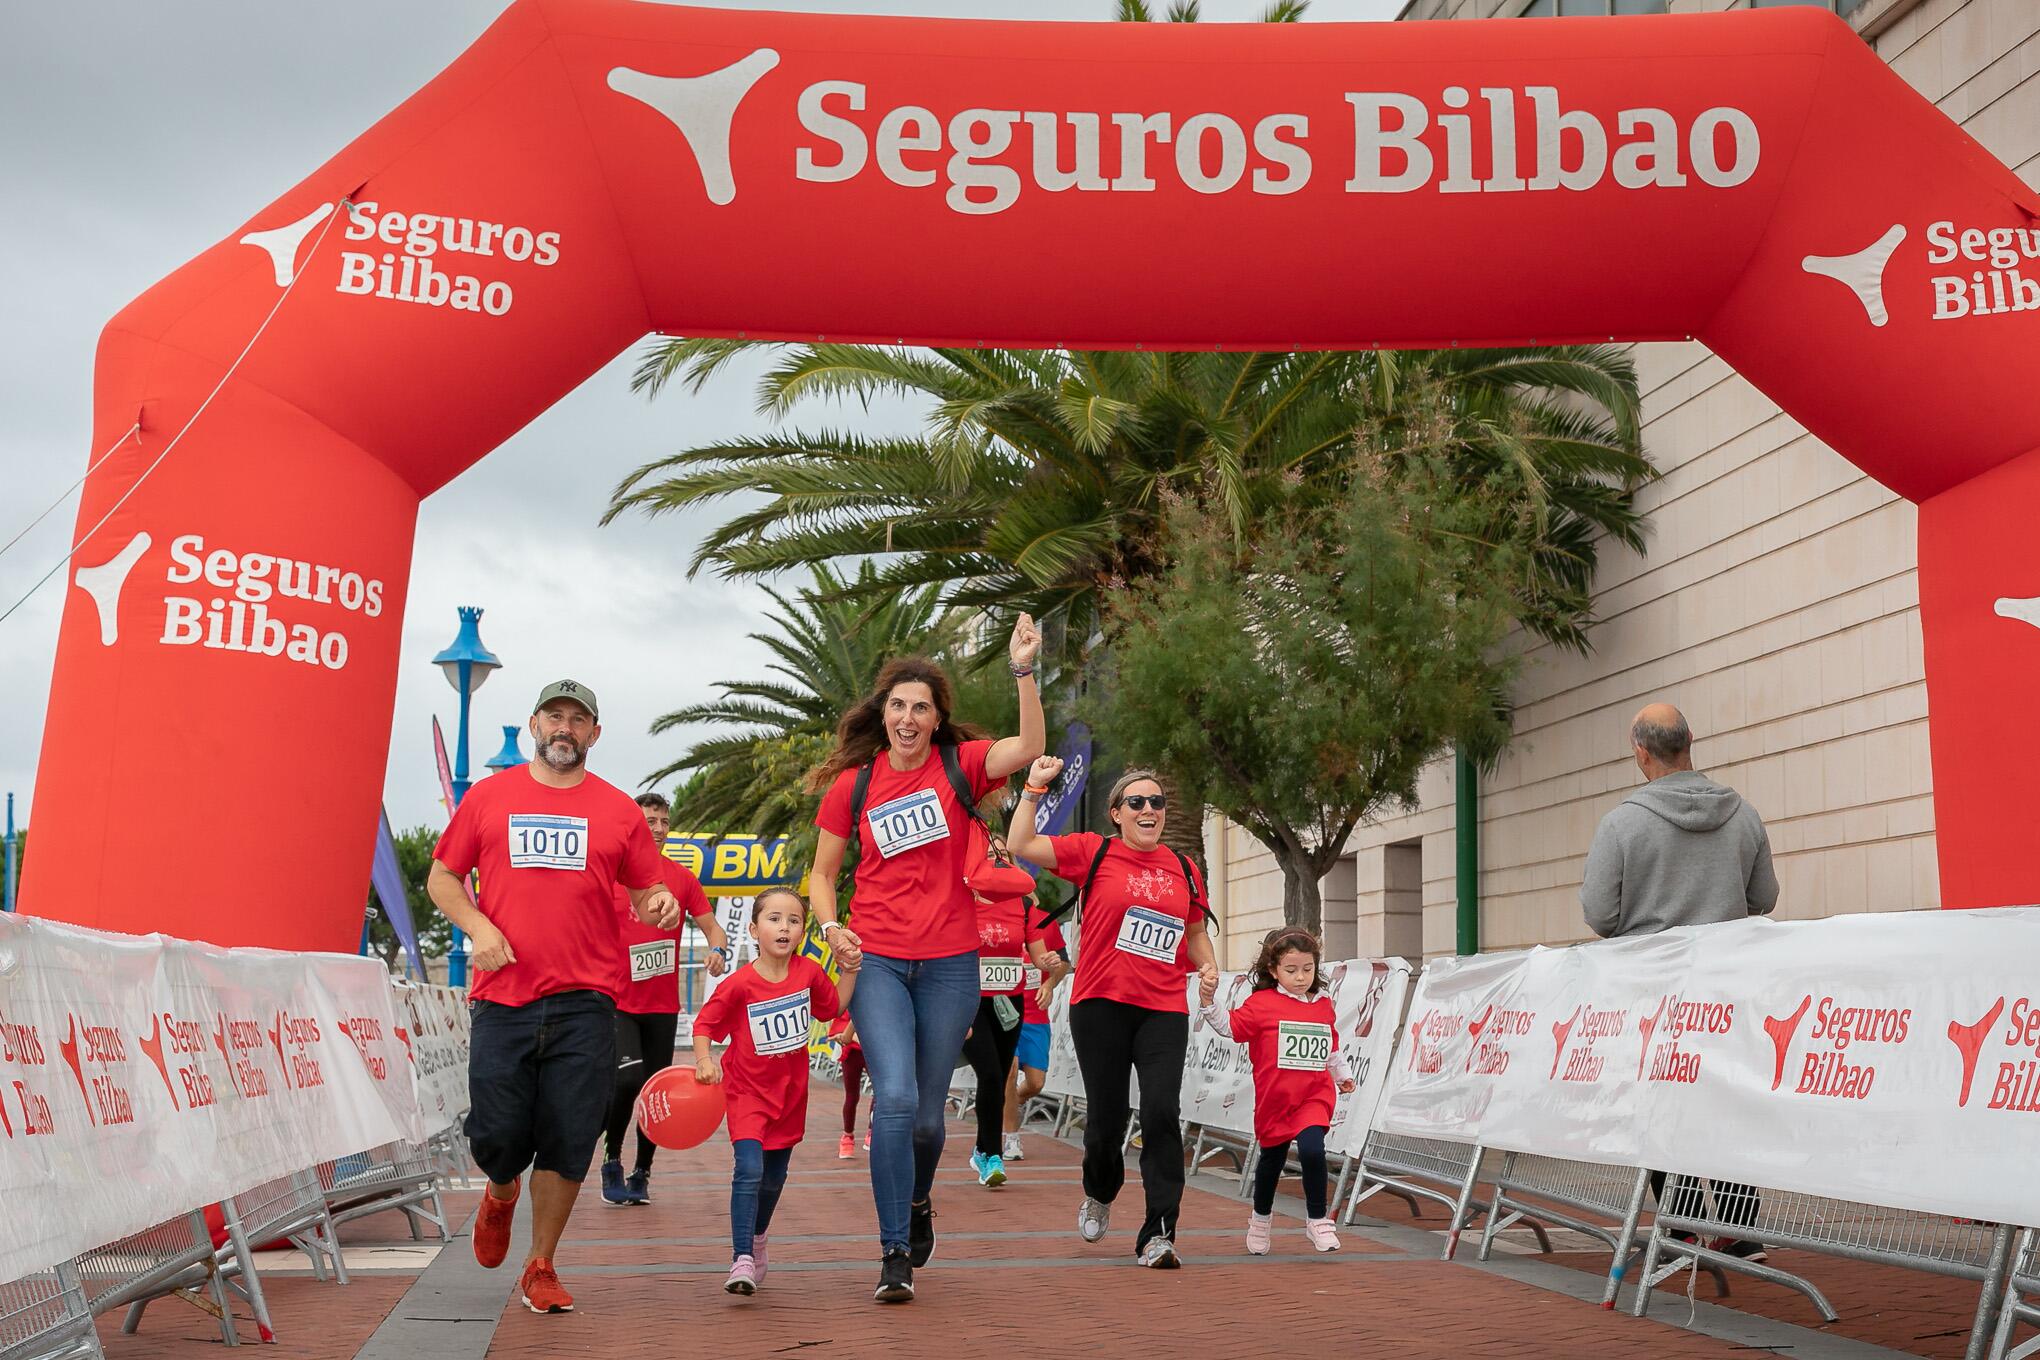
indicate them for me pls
(766, 1011)
(1030, 1062)
(1288, 1026)
(903, 779)
(648, 1013)
(553, 843)
(1143, 916)
(844, 1032)
(1010, 937)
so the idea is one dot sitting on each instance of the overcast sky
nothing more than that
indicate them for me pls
(138, 134)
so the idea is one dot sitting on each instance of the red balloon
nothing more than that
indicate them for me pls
(676, 1111)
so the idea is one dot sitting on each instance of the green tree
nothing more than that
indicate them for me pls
(1313, 671)
(435, 932)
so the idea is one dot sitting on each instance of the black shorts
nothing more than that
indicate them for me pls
(539, 1082)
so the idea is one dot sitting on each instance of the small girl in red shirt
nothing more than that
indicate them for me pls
(1287, 1025)
(766, 1010)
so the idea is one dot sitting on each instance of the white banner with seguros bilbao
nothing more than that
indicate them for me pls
(142, 1077)
(439, 1051)
(1888, 1059)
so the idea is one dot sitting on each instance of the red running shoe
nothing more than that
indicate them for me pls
(541, 1289)
(492, 1226)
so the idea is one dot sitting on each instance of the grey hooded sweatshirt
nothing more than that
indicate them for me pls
(1680, 851)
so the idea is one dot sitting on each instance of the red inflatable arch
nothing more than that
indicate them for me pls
(595, 169)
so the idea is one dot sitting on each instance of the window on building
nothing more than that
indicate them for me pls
(1538, 9)
(1842, 7)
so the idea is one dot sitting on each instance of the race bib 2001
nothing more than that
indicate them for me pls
(1150, 934)
(998, 976)
(1303, 1046)
(652, 959)
(779, 1025)
(906, 823)
(541, 841)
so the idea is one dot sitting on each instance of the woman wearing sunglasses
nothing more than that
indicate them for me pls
(1142, 916)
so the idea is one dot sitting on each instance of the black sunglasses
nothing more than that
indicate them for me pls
(1141, 802)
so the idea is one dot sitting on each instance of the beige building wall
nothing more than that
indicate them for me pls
(1777, 606)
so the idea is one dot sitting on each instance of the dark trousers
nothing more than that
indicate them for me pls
(1310, 1150)
(754, 1192)
(539, 1079)
(1734, 1202)
(1114, 1040)
(989, 1050)
(853, 1085)
(644, 1045)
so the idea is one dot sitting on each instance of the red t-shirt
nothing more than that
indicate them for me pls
(653, 955)
(1030, 1013)
(551, 860)
(1004, 931)
(838, 1028)
(1130, 941)
(911, 903)
(767, 1090)
(1291, 1042)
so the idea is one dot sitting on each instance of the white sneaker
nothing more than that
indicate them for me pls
(1320, 1232)
(1260, 1228)
(1159, 1254)
(1012, 1150)
(1092, 1219)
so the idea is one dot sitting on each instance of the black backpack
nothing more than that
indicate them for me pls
(952, 765)
(1049, 918)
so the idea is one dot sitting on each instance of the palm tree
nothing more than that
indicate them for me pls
(827, 644)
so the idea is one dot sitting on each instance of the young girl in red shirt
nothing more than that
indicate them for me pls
(1287, 1025)
(765, 1010)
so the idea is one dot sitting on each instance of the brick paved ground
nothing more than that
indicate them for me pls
(1010, 1272)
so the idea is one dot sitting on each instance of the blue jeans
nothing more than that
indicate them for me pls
(754, 1192)
(911, 1017)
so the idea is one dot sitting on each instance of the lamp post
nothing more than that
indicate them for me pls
(510, 757)
(466, 664)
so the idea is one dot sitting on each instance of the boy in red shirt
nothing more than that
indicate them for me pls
(766, 1010)
(553, 843)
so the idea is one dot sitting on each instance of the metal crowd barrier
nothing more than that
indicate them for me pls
(1415, 1169)
(174, 1257)
(401, 1176)
(46, 1316)
(2022, 1300)
(1862, 1232)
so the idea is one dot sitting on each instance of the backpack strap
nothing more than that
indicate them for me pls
(952, 765)
(1190, 885)
(858, 793)
(1084, 890)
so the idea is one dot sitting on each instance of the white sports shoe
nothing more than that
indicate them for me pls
(1159, 1254)
(1260, 1228)
(1012, 1150)
(1321, 1234)
(1092, 1219)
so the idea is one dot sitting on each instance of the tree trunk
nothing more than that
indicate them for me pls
(1303, 902)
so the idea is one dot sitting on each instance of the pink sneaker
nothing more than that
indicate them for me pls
(758, 1256)
(743, 1277)
(1260, 1227)
(1321, 1235)
(847, 1148)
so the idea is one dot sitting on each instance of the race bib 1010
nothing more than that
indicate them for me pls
(1303, 1046)
(996, 977)
(779, 1025)
(1150, 934)
(906, 823)
(541, 841)
(652, 959)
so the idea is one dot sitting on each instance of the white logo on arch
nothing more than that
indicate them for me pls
(282, 243)
(103, 584)
(702, 108)
(1863, 272)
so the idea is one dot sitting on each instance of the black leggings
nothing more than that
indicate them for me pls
(1310, 1150)
(644, 1045)
(989, 1051)
(1114, 1040)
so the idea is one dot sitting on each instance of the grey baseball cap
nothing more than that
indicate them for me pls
(569, 689)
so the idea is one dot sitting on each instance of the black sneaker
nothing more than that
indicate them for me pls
(921, 1232)
(1752, 1252)
(895, 1279)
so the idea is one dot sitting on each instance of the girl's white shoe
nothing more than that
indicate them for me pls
(1260, 1227)
(1320, 1233)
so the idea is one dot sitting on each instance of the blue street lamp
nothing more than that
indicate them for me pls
(510, 757)
(467, 664)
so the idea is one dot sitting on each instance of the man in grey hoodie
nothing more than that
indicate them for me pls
(1680, 851)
